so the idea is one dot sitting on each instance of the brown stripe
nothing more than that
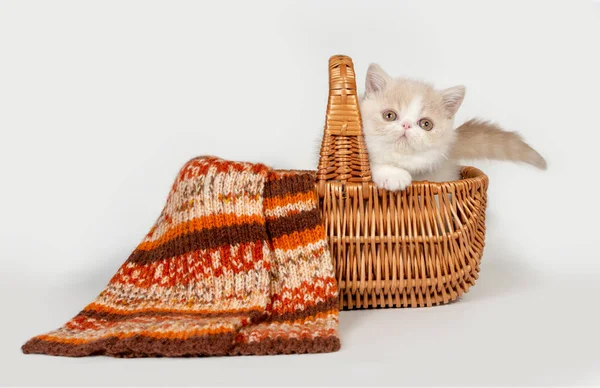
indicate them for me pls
(292, 184)
(137, 346)
(293, 223)
(289, 346)
(201, 239)
(254, 315)
(212, 345)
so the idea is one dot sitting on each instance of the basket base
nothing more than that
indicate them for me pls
(426, 295)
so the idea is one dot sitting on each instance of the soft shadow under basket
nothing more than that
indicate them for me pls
(418, 247)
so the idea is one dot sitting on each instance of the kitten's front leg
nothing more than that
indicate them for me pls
(390, 178)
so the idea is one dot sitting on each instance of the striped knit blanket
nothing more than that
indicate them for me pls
(236, 264)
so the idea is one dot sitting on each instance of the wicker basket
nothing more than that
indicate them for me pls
(418, 247)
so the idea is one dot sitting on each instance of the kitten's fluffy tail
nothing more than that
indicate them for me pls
(479, 139)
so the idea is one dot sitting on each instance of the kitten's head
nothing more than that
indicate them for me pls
(408, 115)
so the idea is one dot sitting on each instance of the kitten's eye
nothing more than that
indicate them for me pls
(426, 124)
(390, 115)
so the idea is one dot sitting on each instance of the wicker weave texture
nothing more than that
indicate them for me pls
(418, 247)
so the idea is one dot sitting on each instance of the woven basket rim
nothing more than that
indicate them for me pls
(474, 177)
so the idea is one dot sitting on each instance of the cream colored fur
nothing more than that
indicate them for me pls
(400, 151)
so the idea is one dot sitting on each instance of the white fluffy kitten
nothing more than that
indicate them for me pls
(410, 135)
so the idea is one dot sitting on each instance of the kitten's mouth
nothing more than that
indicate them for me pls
(401, 139)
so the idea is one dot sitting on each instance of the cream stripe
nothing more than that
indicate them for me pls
(284, 255)
(293, 275)
(244, 290)
(282, 211)
(245, 188)
(187, 326)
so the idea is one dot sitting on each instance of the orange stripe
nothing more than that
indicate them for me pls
(101, 308)
(192, 267)
(304, 295)
(298, 239)
(201, 223)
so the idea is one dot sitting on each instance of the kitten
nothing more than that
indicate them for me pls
(410, 135)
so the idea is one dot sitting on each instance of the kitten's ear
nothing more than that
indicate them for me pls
(453, 98)
(376, 78)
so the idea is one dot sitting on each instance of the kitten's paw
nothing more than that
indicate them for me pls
(391, 178)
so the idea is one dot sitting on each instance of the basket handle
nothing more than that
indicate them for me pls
(343, 154)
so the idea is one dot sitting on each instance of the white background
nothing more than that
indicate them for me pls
(102, 102)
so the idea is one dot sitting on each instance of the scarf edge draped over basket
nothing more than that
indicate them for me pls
(236, 264)
(418, 247)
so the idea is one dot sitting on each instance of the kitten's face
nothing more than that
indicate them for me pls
(406, 115)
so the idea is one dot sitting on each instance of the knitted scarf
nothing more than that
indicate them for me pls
(236, 264)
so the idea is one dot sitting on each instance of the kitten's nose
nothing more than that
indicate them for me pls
(406, 125)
